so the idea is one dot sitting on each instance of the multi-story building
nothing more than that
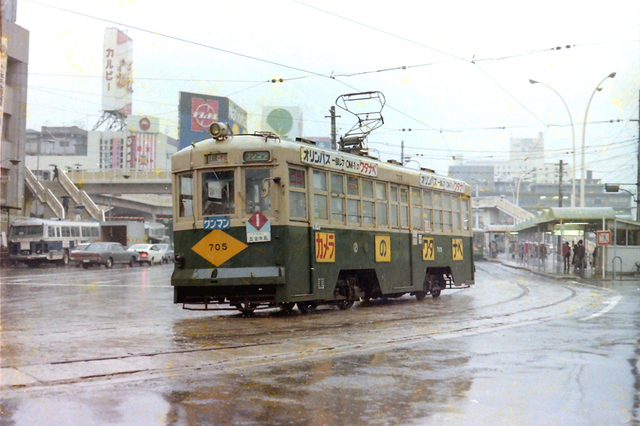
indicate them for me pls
(14, 112)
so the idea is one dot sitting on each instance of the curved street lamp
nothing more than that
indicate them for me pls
(584, 128)
(573, 134)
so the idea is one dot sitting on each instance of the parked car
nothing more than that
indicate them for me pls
(167, 252)
(106, 254)
(148, 253)
(80, 247)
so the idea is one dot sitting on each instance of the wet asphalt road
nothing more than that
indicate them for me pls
(108, 347)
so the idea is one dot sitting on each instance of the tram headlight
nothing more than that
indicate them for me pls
(219, 131)
(179, 259)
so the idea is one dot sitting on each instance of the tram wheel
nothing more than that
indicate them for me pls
(287, 307)
(435, 294)
(345, 304)
(420, 295)
(246, 308)
(307, 307)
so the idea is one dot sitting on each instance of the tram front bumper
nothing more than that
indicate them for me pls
(257, 285)
(228, 276)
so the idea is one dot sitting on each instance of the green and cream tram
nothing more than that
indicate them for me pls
(263, 222)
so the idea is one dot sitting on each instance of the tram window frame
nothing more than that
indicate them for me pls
(320, 196)
(353, 200)
(466, 213)
(298, 194)
(455, 212)
(437, 211)
(404, 207)
(227, 204)
(185, 196)
(427, 209)
(368, 203)
(253, 198)
(416, 209)
(394, 206)
(382, 204)
(446, 213)
(336, 181)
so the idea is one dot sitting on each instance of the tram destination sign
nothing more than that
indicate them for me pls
(338, 161)
(434, 181)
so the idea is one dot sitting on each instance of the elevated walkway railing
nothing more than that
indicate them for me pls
(500, 203)
(44, 195)
(81, 197)
(113, 175)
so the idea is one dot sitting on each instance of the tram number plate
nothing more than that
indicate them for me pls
(216, 222)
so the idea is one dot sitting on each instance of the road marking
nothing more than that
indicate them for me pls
(611, 304)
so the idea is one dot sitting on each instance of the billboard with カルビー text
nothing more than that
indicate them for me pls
(117, 72)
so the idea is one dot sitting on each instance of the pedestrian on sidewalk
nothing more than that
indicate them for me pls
(566, 254)
(579, 258)
(55, 173)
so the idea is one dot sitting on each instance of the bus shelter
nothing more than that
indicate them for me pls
(612, 244)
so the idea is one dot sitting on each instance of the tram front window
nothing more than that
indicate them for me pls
(217, 193)
(255, 201)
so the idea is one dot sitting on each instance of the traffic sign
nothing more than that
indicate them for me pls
(603, 238)
(217, 247)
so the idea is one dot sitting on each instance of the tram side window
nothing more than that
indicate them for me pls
(254, 179)
(297, 194)
(446, 212)
(393, 206)
(217, 193)
(416, 209)
(455, 207)
(320, 207)
(185, 188)
(368, 203)
(437, 211)
(404, 207)
(381, 204)
(465, 214)
(353, 200)
(337, 198)
(427, 210)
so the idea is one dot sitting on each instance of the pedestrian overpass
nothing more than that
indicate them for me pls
(101, 194)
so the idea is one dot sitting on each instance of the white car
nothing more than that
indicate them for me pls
(148, 253)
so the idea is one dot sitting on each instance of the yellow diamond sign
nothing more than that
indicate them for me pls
(218, 247)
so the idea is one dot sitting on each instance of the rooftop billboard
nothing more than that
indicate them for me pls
(198, 112)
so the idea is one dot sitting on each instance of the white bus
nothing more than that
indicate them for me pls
(35, 241)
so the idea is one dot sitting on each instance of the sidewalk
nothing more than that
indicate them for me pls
(549, 268)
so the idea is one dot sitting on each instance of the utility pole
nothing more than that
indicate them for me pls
(560, 173)
(334, 135)
(638, 179)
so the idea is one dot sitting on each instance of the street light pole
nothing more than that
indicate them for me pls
(573, 134)
(584, 128)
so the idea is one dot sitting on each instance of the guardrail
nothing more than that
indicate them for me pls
(110, 175)
(44, 195)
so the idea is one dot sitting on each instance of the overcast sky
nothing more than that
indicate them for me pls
(454, 72)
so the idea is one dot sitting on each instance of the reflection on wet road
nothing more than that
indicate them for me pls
(514, 349)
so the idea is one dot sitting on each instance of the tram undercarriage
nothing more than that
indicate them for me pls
(353, 285)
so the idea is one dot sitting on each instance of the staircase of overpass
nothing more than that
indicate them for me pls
(496, 202)
(95, 194)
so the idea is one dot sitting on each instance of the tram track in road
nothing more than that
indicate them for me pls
(323, 334)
